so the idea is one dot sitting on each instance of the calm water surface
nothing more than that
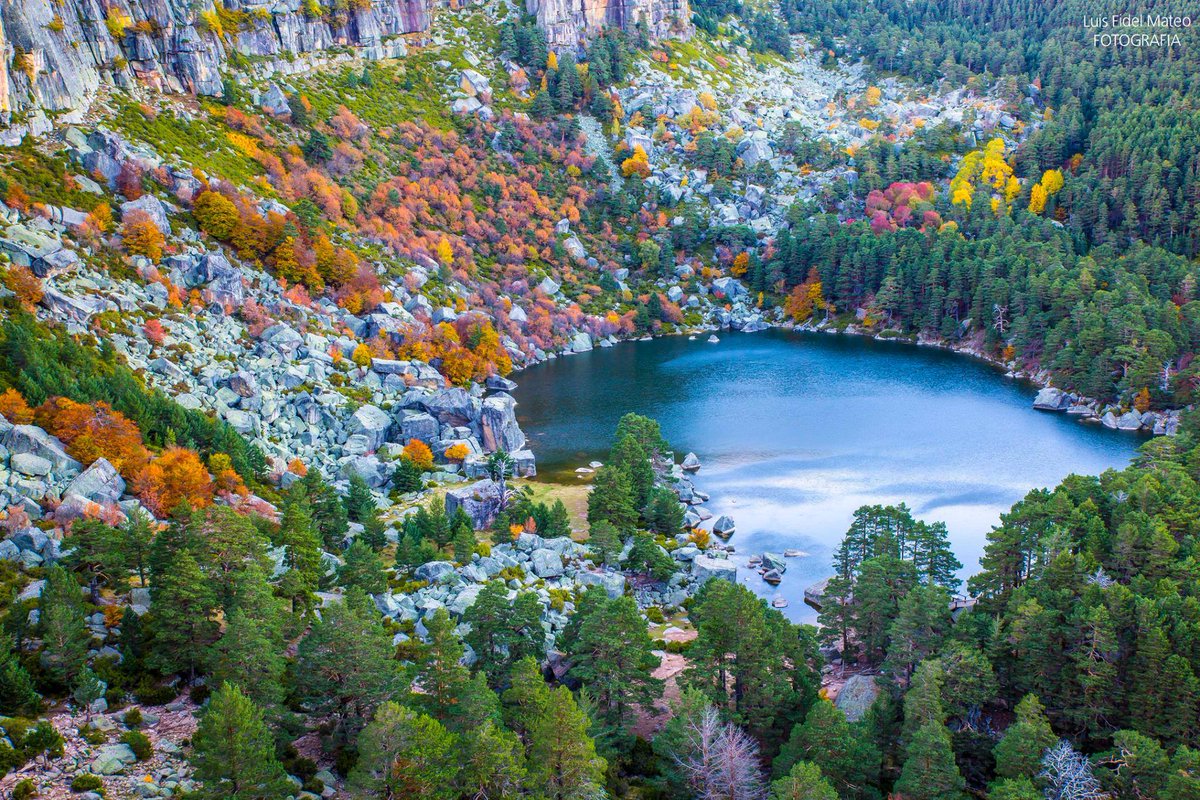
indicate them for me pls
(795, 431)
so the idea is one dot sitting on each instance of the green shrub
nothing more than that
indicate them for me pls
(86, 782)
(678, 648)
(152, 693)
(655, 615)
(93, 735)
(133, 718)
(24, 789)
(139, 743)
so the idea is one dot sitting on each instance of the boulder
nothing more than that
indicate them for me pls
(372, 422)
(581, 342)
(1129, 421)
(856, 696)
(113, 759)
(613, 582)
(480, 501)
(30, 465)
(466, 599)
(706, 567)
(35, 441)
(1051, 399)
(498, 420)
(724, 526)
(152, 207)
(418, 425)
(100, 483)
(432, 571)
(774, 561)
(546, 563)
(691, 463)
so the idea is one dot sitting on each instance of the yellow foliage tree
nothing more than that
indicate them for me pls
(638, 163)
(1037, 199)
(419, 454)
(873, 95)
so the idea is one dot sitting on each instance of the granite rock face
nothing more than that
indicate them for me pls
(64, 51)
(567, 23)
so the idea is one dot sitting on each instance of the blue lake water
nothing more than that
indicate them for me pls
(797, 430)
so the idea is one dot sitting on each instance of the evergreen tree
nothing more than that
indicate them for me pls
(405, 754)
(613, 658)
(804, 782)
(630, 457)
(17, 695)
(245, 655)
(930, 772)
(88, 689)
(439, 671)
(464, 544)
(611, 500)
(298, 535)
(492, 762)
(344, 666)
(542, 106)
(362, 569)
(502, 631)
(233, 751)
(182, 616)
(563, 764)
(848, 760)
(327, 510)
(64, 634)
(1019, 752)
(648, 556)
(604, 541)
(360, 504)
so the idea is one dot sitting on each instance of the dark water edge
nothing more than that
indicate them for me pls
(796, 430)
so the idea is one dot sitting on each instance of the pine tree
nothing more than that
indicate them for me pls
(464, 544)
(613, 658)
(630, 457)
(804, 782)
(245, 655)
(526, 697)
(542, 106)
(930, 772)
(360, 504)
(611, 500)
(503, 631)
(234, 753)
(362, 569)
(345, 666)
(17, 695)
(848, 761)
(1019, 752)
(492, 762)
(182, 616)
(298, 535)
(403, 754)
(88, 689)
(439, 671)
(65, 638)
(921, 625)
(563, 764)
(604, 541)
(328, 511)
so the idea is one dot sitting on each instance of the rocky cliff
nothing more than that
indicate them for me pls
(57, 53)
(566, 22)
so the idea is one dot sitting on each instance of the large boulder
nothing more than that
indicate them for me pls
(453, 406)
(35, 441)
(705, 568)
(1051, 399)
(152, 207)
(724, 526)
(613, 582)
(480, 501)
(432, 571)
(418, 425)
(581, 342)
(372, 422)
(856, 696)
(100, 483)
(546, 563)
(498, 420)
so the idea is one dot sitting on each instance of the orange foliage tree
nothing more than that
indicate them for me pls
(24, 284)
(177, 475)
(141, 236)
(419, 454)
(94, 431)
(14, 408)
